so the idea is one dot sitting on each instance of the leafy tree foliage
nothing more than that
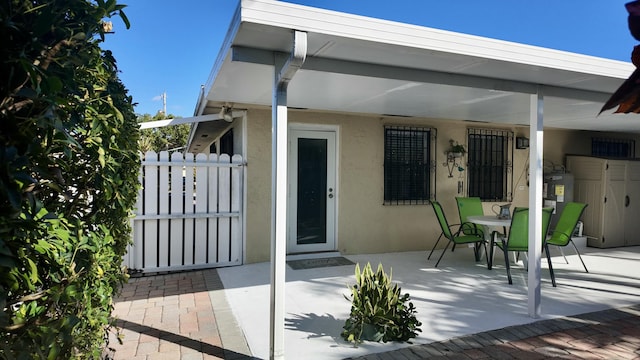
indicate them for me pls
(68, 177)
(166, 138)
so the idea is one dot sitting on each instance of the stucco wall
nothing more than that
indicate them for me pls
(365, 225)
(258, 184)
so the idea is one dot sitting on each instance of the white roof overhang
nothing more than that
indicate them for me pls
(356, 64)
(363, 65)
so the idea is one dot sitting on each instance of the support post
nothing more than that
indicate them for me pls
(285, 69)
(535, 201)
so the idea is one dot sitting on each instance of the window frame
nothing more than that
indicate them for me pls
(421, 169)
(223, 144)
(613, 147)
(499, 171)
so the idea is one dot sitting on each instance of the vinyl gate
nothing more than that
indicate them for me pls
(189, 213)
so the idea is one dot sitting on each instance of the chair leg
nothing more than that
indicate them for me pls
(553, 276)
(443, 251)
(579, 256)
(476, 251)
(525, 261)
(434, 246)
(506, 263)
(493, 256)
(486, 254)
(490, 254)
(563, 255)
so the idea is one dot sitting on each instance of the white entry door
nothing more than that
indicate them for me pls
(312, 191)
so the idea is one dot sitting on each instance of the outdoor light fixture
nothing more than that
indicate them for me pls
(226, 113)
(453, 164)
(522, 143)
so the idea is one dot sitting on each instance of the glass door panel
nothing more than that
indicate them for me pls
(312, 191)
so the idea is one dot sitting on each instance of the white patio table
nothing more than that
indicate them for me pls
(489, 223)
(489, 220)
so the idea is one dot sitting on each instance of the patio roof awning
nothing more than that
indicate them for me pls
(355, 64)
(363, 65)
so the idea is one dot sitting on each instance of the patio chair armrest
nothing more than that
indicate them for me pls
(454, 231)
(477, 229)
(498, 235)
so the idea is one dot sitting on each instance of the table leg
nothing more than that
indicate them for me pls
(489, 240)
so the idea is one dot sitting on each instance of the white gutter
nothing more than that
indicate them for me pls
(232, 32)
(179, 121)
(224, 49)
(285, 69)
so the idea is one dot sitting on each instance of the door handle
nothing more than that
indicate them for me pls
(627, 200)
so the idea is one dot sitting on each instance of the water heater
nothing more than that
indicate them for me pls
(557, 191)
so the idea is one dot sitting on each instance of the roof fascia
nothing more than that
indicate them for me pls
(222, 54)
(314, 20)
(224, 49)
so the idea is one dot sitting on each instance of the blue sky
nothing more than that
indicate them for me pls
(172, 45)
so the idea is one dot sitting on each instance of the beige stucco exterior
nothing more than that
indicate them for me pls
(364, 224)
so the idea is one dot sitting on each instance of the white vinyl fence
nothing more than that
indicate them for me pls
(189, 213)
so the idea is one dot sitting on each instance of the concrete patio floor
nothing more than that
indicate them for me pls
(458, 298)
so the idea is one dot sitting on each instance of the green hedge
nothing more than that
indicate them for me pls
(68, 178)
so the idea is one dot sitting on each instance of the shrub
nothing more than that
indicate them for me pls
(378, 309)
(68, 178)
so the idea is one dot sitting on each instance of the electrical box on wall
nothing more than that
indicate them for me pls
(522, 143)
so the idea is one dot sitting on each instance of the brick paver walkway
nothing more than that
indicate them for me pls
(608, 334)
(186, 316)
(176, 316)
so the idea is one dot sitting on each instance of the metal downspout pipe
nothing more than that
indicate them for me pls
(285, 69)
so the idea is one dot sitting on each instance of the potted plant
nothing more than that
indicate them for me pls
(456, 150)
(379, 312)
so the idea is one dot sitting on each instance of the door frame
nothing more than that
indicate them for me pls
(292, 247)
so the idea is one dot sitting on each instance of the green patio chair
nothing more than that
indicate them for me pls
(467, 206)
(561, 235)
(518, 238)
(456, 237)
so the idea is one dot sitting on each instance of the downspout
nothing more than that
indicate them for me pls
(285, 69)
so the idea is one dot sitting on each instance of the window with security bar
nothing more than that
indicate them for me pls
(409, 177)
(490, 164)
(617, 148)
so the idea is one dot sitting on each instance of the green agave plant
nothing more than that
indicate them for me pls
(379, 312)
